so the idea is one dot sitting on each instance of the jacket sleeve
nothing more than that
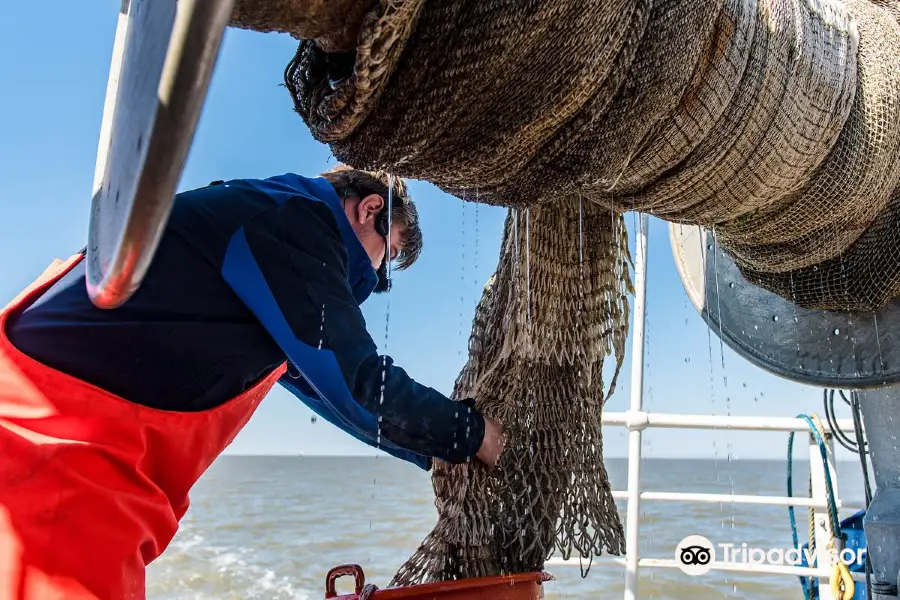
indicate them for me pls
(289, 266)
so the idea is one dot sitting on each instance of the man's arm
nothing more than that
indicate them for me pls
(311, 313)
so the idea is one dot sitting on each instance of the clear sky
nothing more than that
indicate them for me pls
(53, 70)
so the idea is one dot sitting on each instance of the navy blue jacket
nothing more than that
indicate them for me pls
(251, 273)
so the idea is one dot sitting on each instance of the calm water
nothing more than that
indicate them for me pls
(271, 527)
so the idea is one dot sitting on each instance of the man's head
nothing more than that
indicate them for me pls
(365, 196)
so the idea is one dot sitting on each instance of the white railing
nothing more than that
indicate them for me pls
(636, 420)
(639, 420)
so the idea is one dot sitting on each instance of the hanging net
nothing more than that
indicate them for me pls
(774, 123)
(553, 311)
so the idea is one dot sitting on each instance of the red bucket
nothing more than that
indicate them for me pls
(523, 586)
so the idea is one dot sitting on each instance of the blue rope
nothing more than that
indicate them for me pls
(790, 488)
(805, 583)
(832, 506)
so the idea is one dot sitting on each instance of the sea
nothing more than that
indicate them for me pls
(270, 527)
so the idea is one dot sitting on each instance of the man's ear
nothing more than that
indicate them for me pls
(369, 207)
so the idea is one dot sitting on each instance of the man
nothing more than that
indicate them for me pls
(108, 417)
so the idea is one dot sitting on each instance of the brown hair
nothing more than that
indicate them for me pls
(353, 183)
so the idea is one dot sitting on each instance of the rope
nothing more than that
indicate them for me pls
(842, 438)
(842, 584)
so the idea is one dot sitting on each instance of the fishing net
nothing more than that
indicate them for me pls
(555, 308)
(327, 21)
(775, 123)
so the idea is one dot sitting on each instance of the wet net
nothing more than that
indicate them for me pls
(773, 123)
(554, 310)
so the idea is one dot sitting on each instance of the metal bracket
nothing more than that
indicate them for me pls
(819, 348)
(163, 59)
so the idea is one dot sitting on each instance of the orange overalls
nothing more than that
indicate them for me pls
(92, 487)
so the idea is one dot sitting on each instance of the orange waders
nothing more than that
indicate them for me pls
(92, 487)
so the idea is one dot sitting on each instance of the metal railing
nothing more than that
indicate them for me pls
(636, 420)
(639, 420)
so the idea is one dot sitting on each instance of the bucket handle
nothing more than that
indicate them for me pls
(341, 571)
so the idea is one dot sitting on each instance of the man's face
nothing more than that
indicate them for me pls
(363, 216)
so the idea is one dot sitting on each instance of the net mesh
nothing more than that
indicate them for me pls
(777, 124)
(772, 122)
(545, 324)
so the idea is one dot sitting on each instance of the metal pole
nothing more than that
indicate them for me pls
(730, 422)
(162, 63)
(881, 419)
(636, 426)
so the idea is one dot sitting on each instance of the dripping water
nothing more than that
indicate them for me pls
(387, 311)
(528, 266)
(646, 440)
(462, 274)
(719, 302)
(796, 322)
(712, 383)
(711, 247)
(878, 340)
(462, 300)
(515, 213)
(728, 446)
(475, 260)
(322, 325)
(387, 321)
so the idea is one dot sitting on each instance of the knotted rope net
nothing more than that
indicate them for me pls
(773, 123)
(555, 308)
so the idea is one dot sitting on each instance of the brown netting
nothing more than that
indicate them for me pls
(545, 324)
(332, 22)
(775, 123)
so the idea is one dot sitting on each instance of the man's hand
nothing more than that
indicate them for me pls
(492, 445)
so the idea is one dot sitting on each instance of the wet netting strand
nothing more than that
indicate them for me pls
(772, 123)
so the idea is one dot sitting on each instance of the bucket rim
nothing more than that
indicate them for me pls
(443, 587)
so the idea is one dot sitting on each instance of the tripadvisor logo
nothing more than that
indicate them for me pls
(695, 555)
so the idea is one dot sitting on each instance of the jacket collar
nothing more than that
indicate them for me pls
(361, 275)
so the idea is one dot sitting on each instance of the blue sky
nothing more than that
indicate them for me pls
(54, 70)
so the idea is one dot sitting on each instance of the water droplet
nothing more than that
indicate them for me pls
(687, 359)
(837, 331)
(775, 318)
(313, 419)
(731, 285)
